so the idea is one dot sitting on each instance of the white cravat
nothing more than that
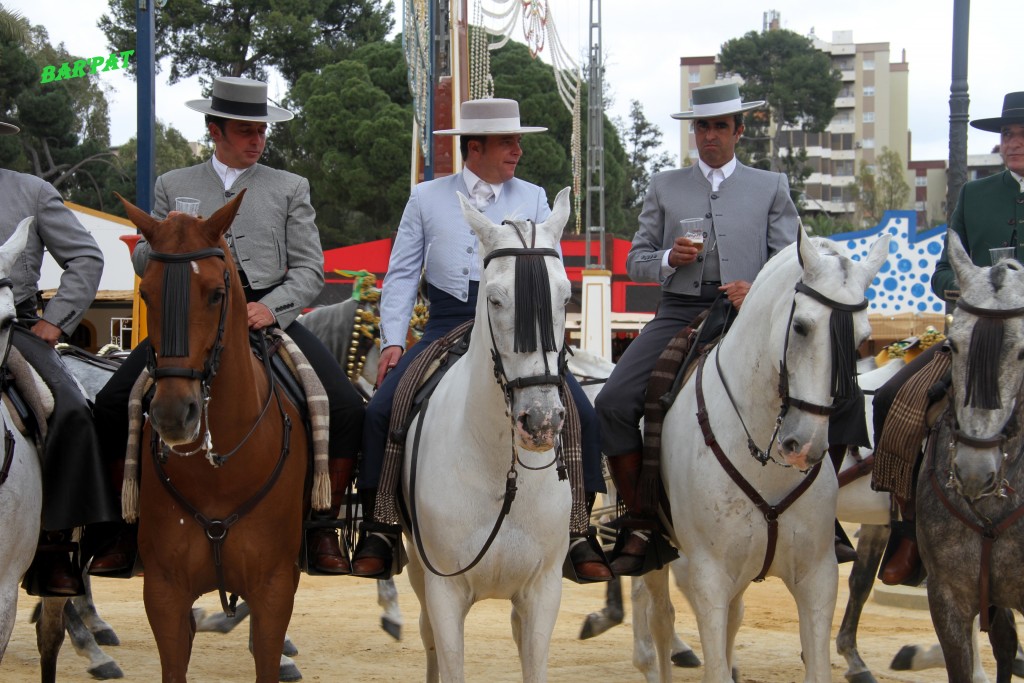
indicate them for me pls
(483, 193)
(717, 175)
(1019, 179)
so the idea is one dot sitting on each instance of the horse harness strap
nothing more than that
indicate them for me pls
(5, 468)
(771, 512)
(989, 532)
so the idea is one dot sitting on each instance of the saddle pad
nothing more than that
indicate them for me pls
(32, 390)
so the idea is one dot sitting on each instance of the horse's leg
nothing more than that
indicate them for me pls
(218, 621)
(870, 546)
(387, 597)
(169, 611)
(101, 631)
(644, 654)
(288, 670)
(101, 665)
(50, 636)
(735, 619)
(708, 590)
(815, 595)
(953, 623)
(448, 607)
(272, 609)
(610, 615)
(682, 654)
(1003, 637)
(426, 628)
(534, 613)
(8, 611)
(661, 619)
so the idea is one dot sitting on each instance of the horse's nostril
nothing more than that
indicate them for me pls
(790, 446)
(191, 412)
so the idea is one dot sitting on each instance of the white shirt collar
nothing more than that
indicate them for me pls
(1019, 179)
(726, 169)
(227, 174)
(472, 179)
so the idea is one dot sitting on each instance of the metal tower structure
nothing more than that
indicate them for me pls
(595, 140)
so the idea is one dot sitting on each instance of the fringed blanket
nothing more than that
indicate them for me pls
(319, 418)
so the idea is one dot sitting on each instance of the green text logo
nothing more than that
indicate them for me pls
(83, 66)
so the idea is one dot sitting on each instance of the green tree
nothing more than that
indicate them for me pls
(248, 37)
(796, 80)
(642, 140)
(14, 28)
(880, 188)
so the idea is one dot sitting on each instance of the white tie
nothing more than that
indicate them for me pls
(715, 177)
(482, 195)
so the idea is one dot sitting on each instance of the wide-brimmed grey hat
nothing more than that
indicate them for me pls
(242, 99)
(1013, 112)
(719, 99)
(494, 116)
(8, 129)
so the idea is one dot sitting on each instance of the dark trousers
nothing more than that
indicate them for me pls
(620, 405)
(76, 489)
(345, 403)
(447, 313)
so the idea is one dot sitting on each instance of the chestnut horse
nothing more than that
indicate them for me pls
(230, 520)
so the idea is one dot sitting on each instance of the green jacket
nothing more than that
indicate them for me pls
(988, 214)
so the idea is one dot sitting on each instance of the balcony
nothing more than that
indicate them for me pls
(848, 75)
(845, 102)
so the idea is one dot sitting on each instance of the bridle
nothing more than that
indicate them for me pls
(844, 378)
(5, 466)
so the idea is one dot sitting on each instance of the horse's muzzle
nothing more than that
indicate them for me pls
(177, 420)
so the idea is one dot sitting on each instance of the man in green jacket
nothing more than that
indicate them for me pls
(989, 214)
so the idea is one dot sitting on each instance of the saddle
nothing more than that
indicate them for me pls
(29, 400)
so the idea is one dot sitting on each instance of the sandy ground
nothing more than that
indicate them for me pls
(335, 626)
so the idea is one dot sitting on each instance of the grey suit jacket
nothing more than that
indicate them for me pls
(274, 238)
(58, 231)
(753, 214)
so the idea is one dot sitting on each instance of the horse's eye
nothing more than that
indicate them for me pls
(216, 296)
(1020, 355)
(800, 328)
(494, 302)
(953, 347)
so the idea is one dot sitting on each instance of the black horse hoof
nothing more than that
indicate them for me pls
(392, 628)
(904, 659)
(289, 648)
(106, 637)
(686, 659)
(105, 672)
(289, 672)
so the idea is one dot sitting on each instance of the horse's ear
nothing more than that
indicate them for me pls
(142, 220)
(218, 224)
(555, 224)
(15, 244)
(877, 255)
(806, 250)
(481, 224)
(958, 257)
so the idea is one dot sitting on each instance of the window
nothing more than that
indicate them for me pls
(842, 167)
(921, 181)
(694, 75)
(869, 64)
(919, 206)
(121, 332)
(813, 139)
(868, 143)
(869, 91)
(869, 117)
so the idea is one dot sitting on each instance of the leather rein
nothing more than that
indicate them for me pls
(507, 387)
(216, 530)
(771, 512)
(988, 531)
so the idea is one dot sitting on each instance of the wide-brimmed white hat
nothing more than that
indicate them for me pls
(240, 98)
(494, 116)
(8, 129)
(719, 99)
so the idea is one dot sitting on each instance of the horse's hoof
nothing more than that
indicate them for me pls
(904, 659)
(1018, 668)
(289, 672)
(862, 677)
(106, 637)
(391, 627)
(686, 659)
(736, 675)
(106, 671)
(289, 649)
(597, 623)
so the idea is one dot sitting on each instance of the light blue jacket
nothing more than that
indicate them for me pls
(434, 235)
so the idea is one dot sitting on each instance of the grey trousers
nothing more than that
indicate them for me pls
(620, 405)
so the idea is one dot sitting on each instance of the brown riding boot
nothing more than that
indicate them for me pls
(57, 574)
(625, 471)
(903, 564)
(324, 549)
(375, 553)
(586, 562)
(118, 555)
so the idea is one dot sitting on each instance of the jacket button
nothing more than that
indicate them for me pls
(465, 271)
(1011, 221)
(1020, 200)
(707, 215)
(696, 284)
(700, 259)
(469, 250)
(714, 196)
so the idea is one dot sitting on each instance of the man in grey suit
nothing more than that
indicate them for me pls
(276, 247)
(75, 490)
(705, 231)
(434, 235)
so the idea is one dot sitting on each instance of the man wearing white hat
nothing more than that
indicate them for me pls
(737, 218)
(75, 491)
(433, 234)
(276, 246)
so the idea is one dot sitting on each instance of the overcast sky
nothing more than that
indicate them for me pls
(643, 41)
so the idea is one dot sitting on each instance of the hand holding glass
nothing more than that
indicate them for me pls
(187, 205)
(693, 230)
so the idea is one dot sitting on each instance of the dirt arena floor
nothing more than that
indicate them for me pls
(336, 628)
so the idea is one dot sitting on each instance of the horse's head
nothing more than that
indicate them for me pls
(521, 306)
(186, 287)
(816, 328)
(9, 253)
(986, 337)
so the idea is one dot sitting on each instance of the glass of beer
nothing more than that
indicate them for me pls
(693, 230)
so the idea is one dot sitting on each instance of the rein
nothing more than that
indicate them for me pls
(5, 468)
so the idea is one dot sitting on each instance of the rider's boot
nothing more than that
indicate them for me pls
(588, 564)
(57, 574)
(325, 551)
(629, 561)
(375, 552)
(905, 561)
(118, 555)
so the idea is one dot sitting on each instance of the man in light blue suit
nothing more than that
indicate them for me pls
(434, 235)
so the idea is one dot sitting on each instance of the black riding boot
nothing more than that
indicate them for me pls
(375, 553)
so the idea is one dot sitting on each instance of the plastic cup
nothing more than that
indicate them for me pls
(187, 205)
(1002, 253)
(694, 229)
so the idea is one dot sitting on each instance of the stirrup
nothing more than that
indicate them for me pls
(594, 545)
(335, 525)
(659, 551)
(372, 533)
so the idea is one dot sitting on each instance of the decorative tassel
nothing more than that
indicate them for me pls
(983, 364)
(844, 356)
(130, 487)
(533, 305)
(174, 331)
(321, 487)
(130, 497)
(648, 488)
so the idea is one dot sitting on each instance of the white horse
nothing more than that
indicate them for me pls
(471, 432)
(725, 539)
